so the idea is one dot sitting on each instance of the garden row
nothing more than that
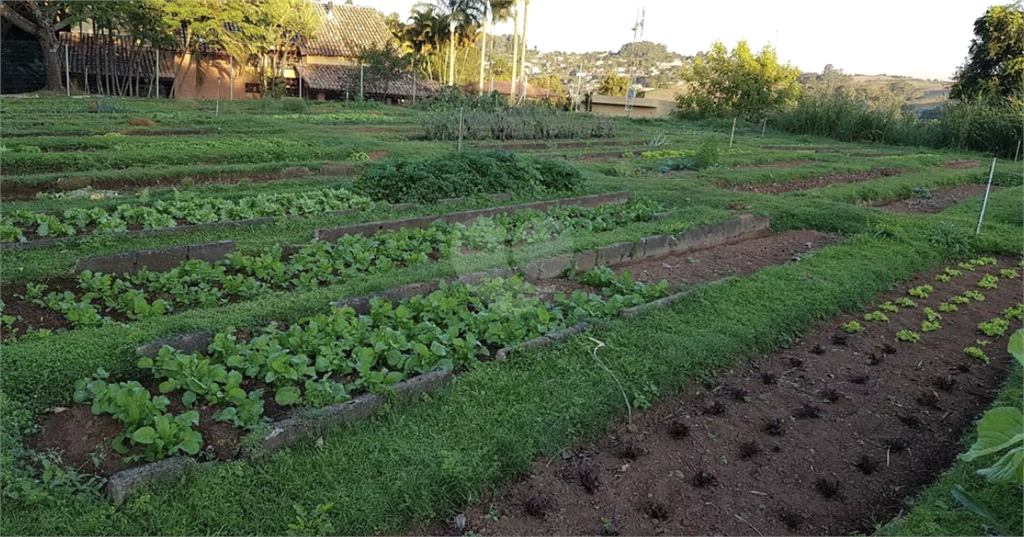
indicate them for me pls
(184, 209)
(101, 298)
(323, 360)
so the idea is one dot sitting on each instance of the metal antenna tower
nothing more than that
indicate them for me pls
(638, 30)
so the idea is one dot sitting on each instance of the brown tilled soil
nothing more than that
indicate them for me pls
(826, 437)
(960, 164)
(819, 182)
(940, 200)
(777, 164)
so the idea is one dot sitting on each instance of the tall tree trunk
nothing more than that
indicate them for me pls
(54, 74)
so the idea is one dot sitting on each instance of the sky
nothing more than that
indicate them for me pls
(894, 37)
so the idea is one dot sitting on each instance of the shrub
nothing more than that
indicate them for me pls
(429, 179)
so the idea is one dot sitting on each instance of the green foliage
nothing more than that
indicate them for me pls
(740, 83)
(977, 353)
(989, 281)
(995, 63)
(921, 291)
(994, 327)
(981, 125)
(613, 84)
(463, 174)
(909, 336)
(853, 327)
(520, 123)
(1002, 429)
(876, 316)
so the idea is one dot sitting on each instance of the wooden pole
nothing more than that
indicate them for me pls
(217, 110)
(231, 79)
(68, 71)
(764, 125)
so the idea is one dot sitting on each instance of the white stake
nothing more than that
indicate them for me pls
(460, 130)
(733, 135)
(991, 172)
(764, 125)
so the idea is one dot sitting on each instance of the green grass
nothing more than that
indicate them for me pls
(428, 459)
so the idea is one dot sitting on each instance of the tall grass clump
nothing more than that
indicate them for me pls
(981, 125)
(847, 120)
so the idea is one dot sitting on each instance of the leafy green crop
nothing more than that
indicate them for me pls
(908, 335)
(989, 281)
(995, 327)
(197, 283)
(853, 327)
(876, 316)
(921, 291)
(1001, 430)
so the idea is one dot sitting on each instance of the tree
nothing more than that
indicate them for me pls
(384, 66)
(44, 19)
(613, 84)
(995, 61)
(724, 83)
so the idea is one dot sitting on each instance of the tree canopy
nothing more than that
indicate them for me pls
(725, 83)
(613, 84)
(995, 60)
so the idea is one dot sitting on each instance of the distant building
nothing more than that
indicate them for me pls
(327, 66)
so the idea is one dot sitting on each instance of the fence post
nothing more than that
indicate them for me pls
(764, 125)
(217, 110)
(460, 130)
(991, 173)
(733, 135)
(67, 70)
(361, 96)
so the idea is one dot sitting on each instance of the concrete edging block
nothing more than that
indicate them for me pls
(125, 482)
(189, 343)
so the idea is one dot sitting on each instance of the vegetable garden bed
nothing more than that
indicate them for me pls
(826, 437)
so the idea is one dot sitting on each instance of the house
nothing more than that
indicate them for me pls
(607, 105)
(329, 63)
(327, 66)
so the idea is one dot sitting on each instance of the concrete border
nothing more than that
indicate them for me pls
(161, 259)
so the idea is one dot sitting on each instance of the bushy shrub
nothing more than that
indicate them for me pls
(429, 179)
(558, 175)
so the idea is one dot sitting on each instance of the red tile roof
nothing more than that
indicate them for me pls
(346, 77)
(351, 29)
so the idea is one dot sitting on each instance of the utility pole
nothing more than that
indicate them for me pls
(631, 90)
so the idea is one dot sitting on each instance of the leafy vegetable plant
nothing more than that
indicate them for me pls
(995, 327)
(921, 291)
(908, 335)
(876, 316)
(853, 327)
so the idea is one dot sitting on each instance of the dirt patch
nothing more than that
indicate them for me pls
(740, 259)
(939, 199)
(818, 182)
(780, 164)
(826, 437)
(960, 164)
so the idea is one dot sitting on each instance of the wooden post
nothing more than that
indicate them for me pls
(733, 135)
(460, 130)
(67, 69)
(361, 97)
(217, 110)
(764, 125)
(231, 79)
